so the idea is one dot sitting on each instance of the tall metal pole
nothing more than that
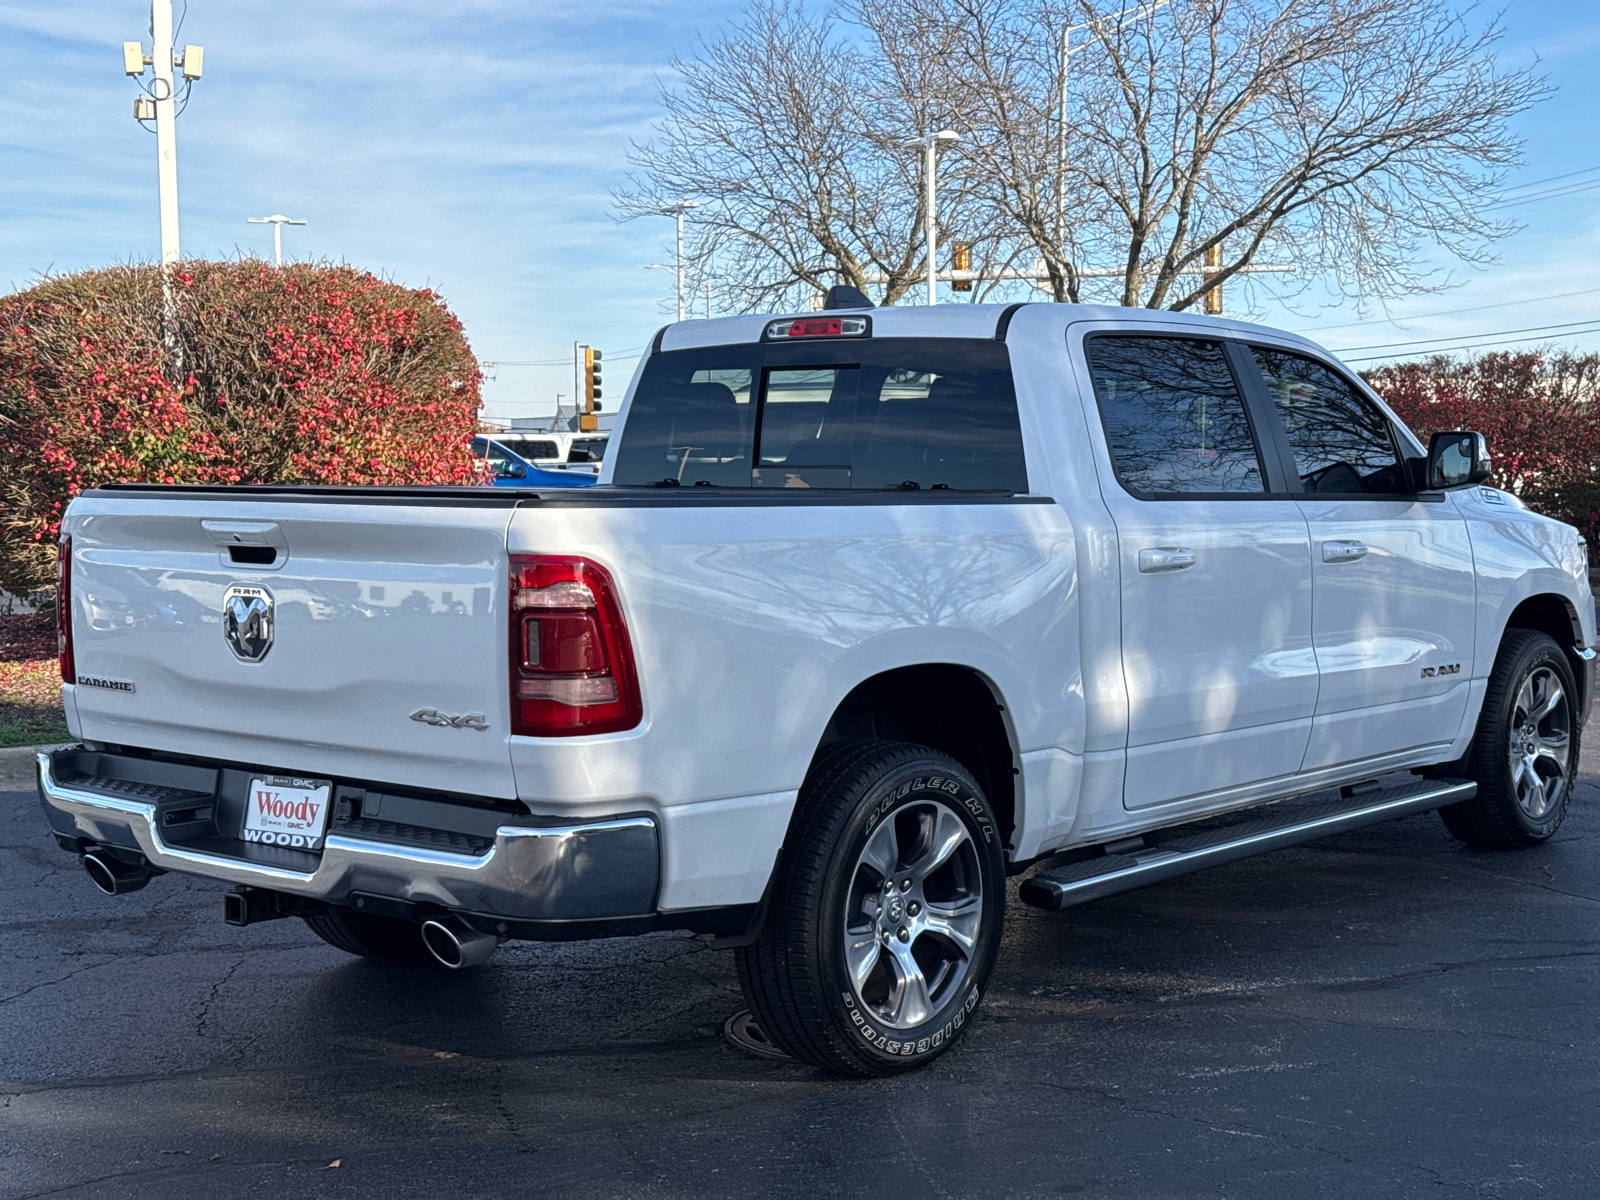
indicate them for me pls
(1061, 144)
(1127, 16)
(930, 225)
(166, 130)
(577, 379)
(680, 261)
(676, 211)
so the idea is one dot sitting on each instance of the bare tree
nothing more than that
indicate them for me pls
(1339, 136)
(789, 134)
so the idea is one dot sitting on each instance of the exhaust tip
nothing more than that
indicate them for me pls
(113, 876)
(456, 946)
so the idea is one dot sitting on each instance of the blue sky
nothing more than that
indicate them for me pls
(472, 145)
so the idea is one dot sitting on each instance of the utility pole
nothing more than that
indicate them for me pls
(930, 146)
(159, 103)
(166, 127)
(277, 221)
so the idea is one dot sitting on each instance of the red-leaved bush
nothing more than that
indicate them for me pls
(1541, 414)
(305, 373)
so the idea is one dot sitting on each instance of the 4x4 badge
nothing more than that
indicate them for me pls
(247, 621)
(432, 716)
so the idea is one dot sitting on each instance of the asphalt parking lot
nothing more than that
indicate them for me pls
(1380, 1013)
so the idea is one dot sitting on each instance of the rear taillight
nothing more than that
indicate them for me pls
(69, 673)
(571, 662)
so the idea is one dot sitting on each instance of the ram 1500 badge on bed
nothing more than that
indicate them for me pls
(870, 607)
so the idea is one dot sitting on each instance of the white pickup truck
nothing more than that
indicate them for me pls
(870, 608)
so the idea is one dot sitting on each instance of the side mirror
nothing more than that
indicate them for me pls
(513, 471)
(1458, 458)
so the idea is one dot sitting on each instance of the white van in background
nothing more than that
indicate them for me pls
(556, 450)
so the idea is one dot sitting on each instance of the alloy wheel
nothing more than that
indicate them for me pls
(1540, 742)
(913, 913)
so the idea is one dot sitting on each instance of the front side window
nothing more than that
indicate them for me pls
(1174, 419)
(913, 413)
(1341, 441)
(495, 454)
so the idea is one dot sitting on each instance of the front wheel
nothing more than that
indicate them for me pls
(885, 918)
(1524, 755)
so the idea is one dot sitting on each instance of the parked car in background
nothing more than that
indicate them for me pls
(512, 470)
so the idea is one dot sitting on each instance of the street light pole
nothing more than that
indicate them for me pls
(1126, 17)
(930, 145)
(677, 210)
(277, 221)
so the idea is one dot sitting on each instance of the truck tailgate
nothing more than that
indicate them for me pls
(380, 610)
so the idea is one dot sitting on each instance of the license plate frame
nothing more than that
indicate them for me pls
(287, 810)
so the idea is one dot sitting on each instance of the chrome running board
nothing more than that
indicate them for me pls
(1181, 849)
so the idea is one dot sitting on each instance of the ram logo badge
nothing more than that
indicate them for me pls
(432, 716)
(247, 621)
(1431, 672)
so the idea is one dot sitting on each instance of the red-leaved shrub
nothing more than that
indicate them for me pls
(1541, 414)
(305, 373)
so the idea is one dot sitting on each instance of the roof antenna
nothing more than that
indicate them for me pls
(844, 296)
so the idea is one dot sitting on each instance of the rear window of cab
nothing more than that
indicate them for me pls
(908, 413)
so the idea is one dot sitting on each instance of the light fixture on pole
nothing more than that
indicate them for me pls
(677, 210)
(277, 221)
(930, 147)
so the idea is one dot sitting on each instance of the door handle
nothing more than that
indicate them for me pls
(1165, 558)
(1338, 552)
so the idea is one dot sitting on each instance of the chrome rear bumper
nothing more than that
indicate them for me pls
(535, 872)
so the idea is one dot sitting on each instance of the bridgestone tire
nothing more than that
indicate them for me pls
(859, 799)
(382, 939)
(1495, 818)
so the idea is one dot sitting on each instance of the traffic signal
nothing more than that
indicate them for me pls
(961, 260)
(587, 422)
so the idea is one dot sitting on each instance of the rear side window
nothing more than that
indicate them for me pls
(890, 413)
(1341, 441)
(1174, 419)
(692, 419)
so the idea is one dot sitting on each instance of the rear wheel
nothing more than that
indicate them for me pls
(382, 939)
(885, 918)
(1524, 755)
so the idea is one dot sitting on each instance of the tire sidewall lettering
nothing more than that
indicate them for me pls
(897, 1044)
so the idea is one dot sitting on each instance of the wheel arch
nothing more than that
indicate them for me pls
(1555, 615)
(949, 707)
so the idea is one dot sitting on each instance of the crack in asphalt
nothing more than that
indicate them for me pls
(205, 1005)
(104, 961)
